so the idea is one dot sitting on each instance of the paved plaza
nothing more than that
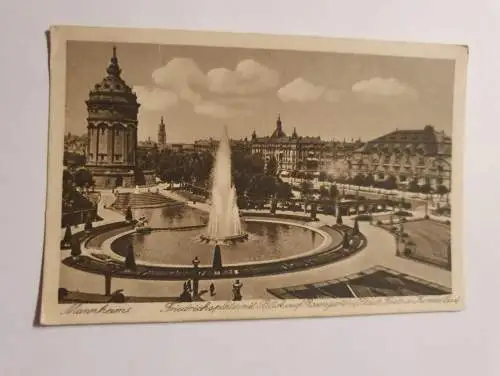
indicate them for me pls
(379, 252)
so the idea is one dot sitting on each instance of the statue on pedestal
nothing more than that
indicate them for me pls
(314, 210)
(185, 295)
(339, 217)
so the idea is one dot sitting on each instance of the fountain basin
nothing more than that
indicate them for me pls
(228, 239)
(275, 245)
(267, 239)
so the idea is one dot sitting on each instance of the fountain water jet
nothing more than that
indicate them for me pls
(224, 221)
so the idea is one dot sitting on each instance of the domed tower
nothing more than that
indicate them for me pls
(278, 132)
(112, 130)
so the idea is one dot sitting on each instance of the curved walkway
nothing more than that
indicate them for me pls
(380, 250)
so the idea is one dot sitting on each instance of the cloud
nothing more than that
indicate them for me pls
(384, 87)
(183, 76)
(301, 90)
(249, 77)
(155, 99)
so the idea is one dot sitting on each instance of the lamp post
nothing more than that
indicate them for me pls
(196, 263)
(108, 275)
(427, 203)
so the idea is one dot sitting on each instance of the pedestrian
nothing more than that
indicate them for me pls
(237, 290)
(189, 285)
(212, 289)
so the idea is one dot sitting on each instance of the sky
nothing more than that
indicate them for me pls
(199, 90)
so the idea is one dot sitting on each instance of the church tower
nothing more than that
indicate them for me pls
(162, 135)
(278, 132)
(112, 130)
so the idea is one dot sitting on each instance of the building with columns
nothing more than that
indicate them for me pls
(112, 130)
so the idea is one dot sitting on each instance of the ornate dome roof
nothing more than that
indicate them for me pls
(113, 88)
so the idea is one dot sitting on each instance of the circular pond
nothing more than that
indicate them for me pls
(268, 241)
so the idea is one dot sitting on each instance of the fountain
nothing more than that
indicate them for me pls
(224, 223)
(180, 233)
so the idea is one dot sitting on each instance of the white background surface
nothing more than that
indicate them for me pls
(463, 343)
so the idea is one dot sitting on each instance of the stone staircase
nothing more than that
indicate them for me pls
(142, 200)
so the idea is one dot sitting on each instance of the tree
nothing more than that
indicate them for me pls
(252, 164)
(306, 188)
(203, 167)
(128, 215)
(442, 190)
(324, 192)
(272, 166)
(426, 188)
(284, 191)
(76, 250)
(245, 167)
(255, 163)
(369, 180)
(73, 159)
(413, 186)
(359, 179)
(390, 183)
(130, 259)
(262, 187)
(83, 178)
(67, 183)
(241, 182)
(334, 192)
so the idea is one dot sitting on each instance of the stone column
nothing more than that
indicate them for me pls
(97, 130)
(109, 144)
(112, 159)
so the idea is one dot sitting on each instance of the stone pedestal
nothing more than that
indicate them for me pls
(109, 177)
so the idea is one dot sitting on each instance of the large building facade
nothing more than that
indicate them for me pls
(112, 130)
(421, 155)
(293, 153)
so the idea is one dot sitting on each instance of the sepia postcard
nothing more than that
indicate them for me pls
(211, 176)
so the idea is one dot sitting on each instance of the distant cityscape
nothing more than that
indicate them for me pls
(423, 154)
